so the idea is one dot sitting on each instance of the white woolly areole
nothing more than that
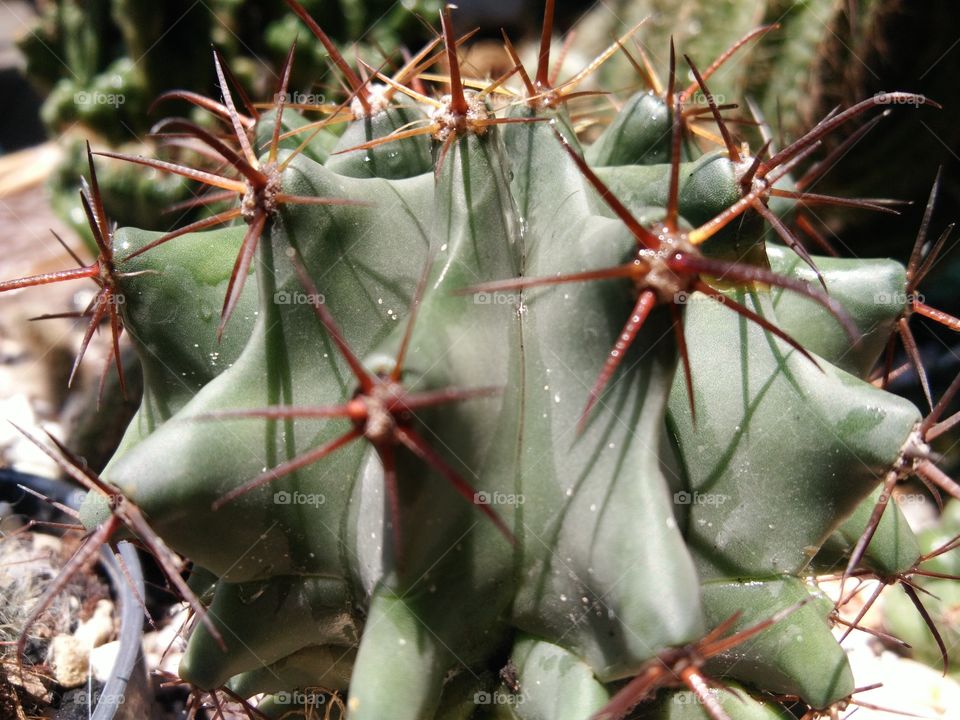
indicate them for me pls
(377, 98)
(448, 121)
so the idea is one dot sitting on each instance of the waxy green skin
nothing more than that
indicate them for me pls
(176, 341)
(735, 700)
(291, 351)
(392, 161)
(609, 568)
(707, 186)
(893, 549)
(780, 659)
(554, 684)
(739, 502)
(844, 435)
(638, 135)
(872, 291)
(575, 484)
(317, 144)
(455, 558)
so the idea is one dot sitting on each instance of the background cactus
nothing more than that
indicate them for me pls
(503, 426)
(104, 63)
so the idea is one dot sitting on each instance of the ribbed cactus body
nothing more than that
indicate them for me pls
(633, 529)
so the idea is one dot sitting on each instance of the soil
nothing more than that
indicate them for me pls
(29, 562)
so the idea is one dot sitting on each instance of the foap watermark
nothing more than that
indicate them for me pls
(114, 100)
(283, 497)
(905, 499)
(700, 98)
(684, 497)
(300, 698)
(286, 297)
(92, 698)
(495, 298)
(899, 299)
(300, 98)
(885, 98)
(498, 697)
(684, 297)
(485, 497)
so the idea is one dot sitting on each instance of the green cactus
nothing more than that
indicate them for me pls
(457, 419)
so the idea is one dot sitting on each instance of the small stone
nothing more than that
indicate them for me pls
(69, 660)
(99, 628)
(103, 659)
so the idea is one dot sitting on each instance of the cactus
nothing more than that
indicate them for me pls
(500, 425)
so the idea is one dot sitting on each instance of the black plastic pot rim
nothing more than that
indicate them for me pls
(128, 588)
